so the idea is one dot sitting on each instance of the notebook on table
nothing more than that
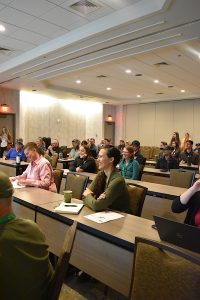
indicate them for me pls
(69, 208)
(179, 234)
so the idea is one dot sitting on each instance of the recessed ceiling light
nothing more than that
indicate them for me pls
(138, 96)
(182, 91)
(199, 56)
(128, 71)
(2, 28)
(156, 81)
(108, 88)
(78, 81)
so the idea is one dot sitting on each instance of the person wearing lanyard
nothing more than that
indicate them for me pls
(24, 260)
(129, 167)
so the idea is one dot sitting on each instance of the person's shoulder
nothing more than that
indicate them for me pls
(116, 175)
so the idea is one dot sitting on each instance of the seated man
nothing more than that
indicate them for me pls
(137, 155)
(188, 155)
(53, 148)
(39, 172)
(16, 151)
(93, 148)
(74, 153)
(167, 162)
(24, 259)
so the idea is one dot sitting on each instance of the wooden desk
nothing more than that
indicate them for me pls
(104, 251)
(90, 175)
(181, 165)
(65, 162)
(11, 168)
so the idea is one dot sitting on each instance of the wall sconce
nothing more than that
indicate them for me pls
(109, 119)
(4, 108)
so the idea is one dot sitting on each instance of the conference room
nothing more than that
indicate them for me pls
(116, 70)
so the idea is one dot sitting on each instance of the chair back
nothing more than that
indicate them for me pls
(47, 157)
(54, 160)
(142, 168)
(182, 178)
(62, 264)
(58, 175)
(137, 195)
(164, 272)
(76, 183)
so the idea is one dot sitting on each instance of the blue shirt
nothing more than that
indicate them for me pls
(131, 170)
(12, 153)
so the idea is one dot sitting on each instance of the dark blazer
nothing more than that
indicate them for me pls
(193, 206)
(88, 164)
(164, 164)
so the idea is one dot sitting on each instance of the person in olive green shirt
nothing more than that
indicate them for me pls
(25, 269)
(108, 189)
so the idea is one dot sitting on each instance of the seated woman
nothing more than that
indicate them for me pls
(190, 200)
(108, 189)
(39, 172)
(16, 151)
(84, 162)
(128, 166)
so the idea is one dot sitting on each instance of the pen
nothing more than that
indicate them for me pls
(71, 205)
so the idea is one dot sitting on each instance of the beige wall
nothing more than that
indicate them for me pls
(62, 119)
(153, 122)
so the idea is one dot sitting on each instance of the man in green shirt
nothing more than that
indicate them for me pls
(25, 269)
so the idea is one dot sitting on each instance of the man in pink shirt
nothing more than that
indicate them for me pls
(39, 172)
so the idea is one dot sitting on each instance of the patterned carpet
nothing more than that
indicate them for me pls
(82, 288)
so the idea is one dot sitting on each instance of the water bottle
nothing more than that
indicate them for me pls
(18, 159)
(60, 155)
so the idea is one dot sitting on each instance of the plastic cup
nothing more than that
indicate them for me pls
(67, 196)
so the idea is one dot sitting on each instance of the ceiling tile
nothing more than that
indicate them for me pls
(118, 4)
(61, 17)
(43, 27)
(101, 12)
(13, 43)
(6, 2)
(9, 29)
(26, 35)
(35, 8)
(58, 33)
(1, 7)
(15, 17)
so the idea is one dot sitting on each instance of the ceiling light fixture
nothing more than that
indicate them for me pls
(182, 91)
(108, 88)
(78, 81)
(4, 108)
(128, 71)
(2, 28)
(156, 81)
(138, 96)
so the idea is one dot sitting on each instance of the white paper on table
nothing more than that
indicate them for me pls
(16, 185)
(104, 216)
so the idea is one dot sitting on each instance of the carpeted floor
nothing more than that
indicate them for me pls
(81, 288)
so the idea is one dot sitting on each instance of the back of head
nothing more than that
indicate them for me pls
(6, 188)
(113, 152)
(136, 143)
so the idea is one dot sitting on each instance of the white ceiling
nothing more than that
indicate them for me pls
(51, 46)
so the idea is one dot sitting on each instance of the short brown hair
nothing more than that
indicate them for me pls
(32, 146)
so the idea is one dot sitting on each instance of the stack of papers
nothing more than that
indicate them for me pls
(16, 185)
(104, 216)
(69, 208)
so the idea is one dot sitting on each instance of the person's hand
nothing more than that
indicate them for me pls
(196, 185)
(22, 182)
(78, 169)
(102, 196)
(12, 178)
(87, 192)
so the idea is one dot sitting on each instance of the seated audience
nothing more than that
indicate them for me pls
(137, 155)
(108, 189)
(84, 162)
(24, 259)
(84, 143)
(41, 145)
(129, 167)
(128, 143)
(93, 148)
(190, 200)
(16, 151)
(188, 155)
(175, 150)
(121, 145)
(39, 172)
(184, 141)
(176, 138)
(53, 148)
(197, 149)
(74, 153)
(167, 162)
(162, 146)
(107, 141)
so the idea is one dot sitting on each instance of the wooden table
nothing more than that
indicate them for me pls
(11, 168)
(181, 165)
(104, 251)
(65, 162)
